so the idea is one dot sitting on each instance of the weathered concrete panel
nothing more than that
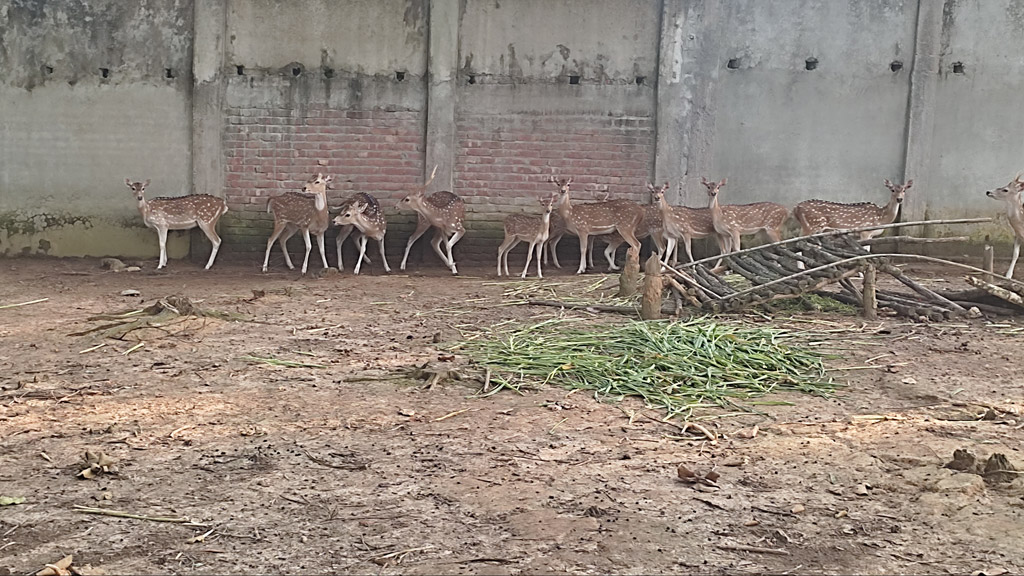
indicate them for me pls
(609, 41)
(372, 37)
(978, 136)
(784, 132)
(91, 93)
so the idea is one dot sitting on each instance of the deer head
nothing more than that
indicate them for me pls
(563, 187)
(350, 215)
(1010, 192)
(415, 199)
(317, 184)
(898, 192)
(138, 188)
(657, 193)
(547, 203)
(713, 187)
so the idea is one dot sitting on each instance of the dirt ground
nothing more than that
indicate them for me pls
(347, 468)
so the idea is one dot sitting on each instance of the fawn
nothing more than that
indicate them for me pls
(180, 213)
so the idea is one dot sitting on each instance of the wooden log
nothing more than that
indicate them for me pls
(630, 275)
(911, 240)
(997, 291)
(650, 302)
(928, 294)
(870, 300)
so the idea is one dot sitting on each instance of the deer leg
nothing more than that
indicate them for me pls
(435, 243)
(687, 243)
(362, 251)
(540, 250)
(529, 256)
(278, 229)
(659, 242)
(553, 248)
(421, 227)
(609, 255)
(161, 236)
(309, 248)
(289, 231)
(320, 245)
(210, 229)
(450, 244)
(670, 246)
(506, 245)
(343, 233)
(584, 241)
(1013, 259)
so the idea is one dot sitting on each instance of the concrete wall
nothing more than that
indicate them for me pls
(497, 95)
(311, 87)
(553, 88)
(70, 136)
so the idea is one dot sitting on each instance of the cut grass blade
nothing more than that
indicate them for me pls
(278, 362)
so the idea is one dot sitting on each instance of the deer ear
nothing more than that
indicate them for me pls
(569, 181)
(722, 183)
(908, 184)
(146, 183)
(552, 178)
(703, 180)
(887, 183)
(650, 187)
(128, 182)
(329, 178)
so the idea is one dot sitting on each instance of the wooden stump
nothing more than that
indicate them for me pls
(870, 300)
(630, 276)
(650, 305)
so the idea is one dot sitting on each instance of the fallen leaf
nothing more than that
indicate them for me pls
(841, 514)
(58, 568)
(11, 500)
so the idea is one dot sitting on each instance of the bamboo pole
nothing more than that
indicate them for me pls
(833, 233)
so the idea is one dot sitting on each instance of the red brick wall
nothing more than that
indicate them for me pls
(272, 150)
(503, 163)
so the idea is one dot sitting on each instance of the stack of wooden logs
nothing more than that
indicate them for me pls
(805, 265)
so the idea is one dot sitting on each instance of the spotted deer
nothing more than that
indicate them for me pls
(735, 220)
(683, 223)
(526, 228)
(305, 212)
(651, 225)
(820, 215)
(1010, 194)
(363, 213)
(180, 213)
(443, 211)
(586, 220)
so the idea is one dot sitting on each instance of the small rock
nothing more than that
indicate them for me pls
(797, 509)
(132, 269)
(130, 292)
(973, 312)
(963, 460)
(112, 264)
(861, 490)
(909, 380)
(999, 470)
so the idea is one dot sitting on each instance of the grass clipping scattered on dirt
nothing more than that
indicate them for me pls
(672, 365)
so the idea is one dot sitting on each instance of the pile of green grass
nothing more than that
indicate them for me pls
(673, 365)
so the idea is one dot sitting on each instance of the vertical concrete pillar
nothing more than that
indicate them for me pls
(442, 75)
(688, 58)
(208, 88)
(924, 77)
